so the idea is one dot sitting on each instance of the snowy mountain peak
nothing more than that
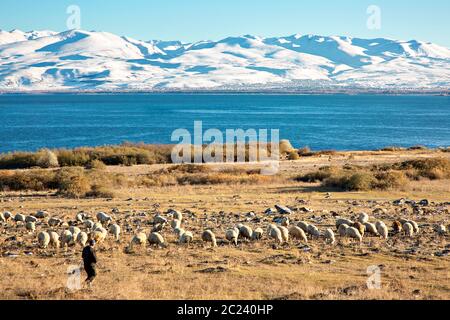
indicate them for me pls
(92, 60)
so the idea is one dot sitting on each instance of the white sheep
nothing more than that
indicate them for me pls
(343, 221)
(313, 231)
(440, 229)
(43, 239)
(40, 214)
(245, 231)
(209, 236)
(186, 237)
(75, 231)
(329, 236)
(175, 224)
(80, 217)
(158, 219)
(99, 235)
(2, 217)
(66, 238)
(30, 226)
(284, 233)
(382, 229)
(54, 239)
(114, 229)
(30, 219)
(275, 233)
(298, 233)
(257, 234)
(353, 233)
(371, 228)
(97, 225)
(342, 230)
(303, 225)
(409, 229)
(232, 235)
(156, 238)
(7, 215)
(179, 231)
(139, 239)
(82, 238)
(414, 225)
(89, 224)
(176, 215)
(53, 222)
(363, 218)
(19, 218)
(103, 218)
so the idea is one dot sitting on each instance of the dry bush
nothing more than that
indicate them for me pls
(35, 180)
(72, 182)
(100, 191)
(96, 165)
(344, 180)
(317, 176)
(293, 155)
(433, 169)
(18, 160)
(47, 159)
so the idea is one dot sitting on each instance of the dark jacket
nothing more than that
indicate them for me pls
(89, 256)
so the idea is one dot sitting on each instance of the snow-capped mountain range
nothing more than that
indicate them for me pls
(78, 60)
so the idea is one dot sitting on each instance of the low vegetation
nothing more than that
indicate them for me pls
(379, 177)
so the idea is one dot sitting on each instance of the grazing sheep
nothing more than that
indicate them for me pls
(371, 228)
(19, 218)
(99, 235)
(382, 229)
(97, 225)
(114, 229)
(54, 239)
(414, 225)
(360, 227)
(7, 215)
(313, 231)
(75, 231)
(409, 229)
(353, 233)
(54, 222)
(82, 239)
(275, 233)
(245, 231)
(257, 234)
(440, 229)
(363, 218)
(139, 239)
(30, 226)
(175, 224)
(298, 233)
(186, 237)
(30, 219)
(89, 224)
(158, 227)
(303, 225)
(343, 221)
(103, 218)
(397, 226)
(179, 231)
(41, 214)
(43, 239)
(209, 236)
(176, 215)
(66, 238)
(232, 235)
(329, 236)
(80, 217)
(284, 233)
(342, 230)
(158, 219)
(2, 217)
(284, 221)
(156, 238)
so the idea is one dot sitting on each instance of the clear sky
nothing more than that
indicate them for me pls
(194, 20)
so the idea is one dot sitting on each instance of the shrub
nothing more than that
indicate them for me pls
(434, 168)
(35, 180)
(96, 165)
(316, 176)
(72, 182)
(47, 159)
(390, 180)
(100, 191)
(293, 155)
(359, 181)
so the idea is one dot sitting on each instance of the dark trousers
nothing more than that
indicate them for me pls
(91, 272)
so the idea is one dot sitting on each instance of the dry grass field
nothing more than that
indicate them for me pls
(411, 268)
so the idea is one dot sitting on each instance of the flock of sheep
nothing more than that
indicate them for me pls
(280, 230)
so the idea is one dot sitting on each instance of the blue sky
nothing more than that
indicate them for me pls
(193, 20)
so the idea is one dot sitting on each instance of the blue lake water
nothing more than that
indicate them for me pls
(341, 122)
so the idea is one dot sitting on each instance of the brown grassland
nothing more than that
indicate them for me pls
(219, 197)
